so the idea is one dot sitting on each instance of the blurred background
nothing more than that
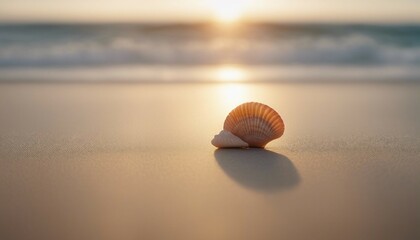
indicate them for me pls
(209, 41)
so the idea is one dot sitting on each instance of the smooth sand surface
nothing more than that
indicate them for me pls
(134, 161)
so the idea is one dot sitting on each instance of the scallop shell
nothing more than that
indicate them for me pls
(254, 123)
(226, 139)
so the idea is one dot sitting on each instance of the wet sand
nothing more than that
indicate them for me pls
(134, 161)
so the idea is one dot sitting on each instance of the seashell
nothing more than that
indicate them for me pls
(226, 139)
(254, 123)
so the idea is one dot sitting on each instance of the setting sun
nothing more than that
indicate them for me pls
(227, 15)
(228, 12)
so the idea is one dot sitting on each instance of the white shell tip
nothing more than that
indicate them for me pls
(226, 139)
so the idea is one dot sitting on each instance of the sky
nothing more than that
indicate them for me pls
(370, 11)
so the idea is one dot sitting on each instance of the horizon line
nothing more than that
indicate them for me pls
(208, 22)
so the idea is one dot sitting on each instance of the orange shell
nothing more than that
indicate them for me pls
(255, 123)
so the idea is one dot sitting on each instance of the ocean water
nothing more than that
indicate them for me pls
(207, 52)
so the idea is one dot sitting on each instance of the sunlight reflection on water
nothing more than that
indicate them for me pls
(231, 73)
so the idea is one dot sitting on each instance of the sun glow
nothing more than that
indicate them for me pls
(228, 11)
(228, 15)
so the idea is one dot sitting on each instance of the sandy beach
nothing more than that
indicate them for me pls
(134, 161)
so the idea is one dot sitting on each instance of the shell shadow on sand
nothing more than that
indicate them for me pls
(258, 169)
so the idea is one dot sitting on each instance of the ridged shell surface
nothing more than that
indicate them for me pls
(255, 123)
(226, 139)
